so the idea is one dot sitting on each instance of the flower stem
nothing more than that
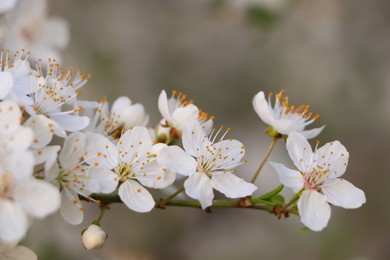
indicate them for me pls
(172, 196)
(293, 200)
(269, 151)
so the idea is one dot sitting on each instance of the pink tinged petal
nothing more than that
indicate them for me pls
(332, 157)
(19, 253)
(231, 185)
(71, 123)
(13, 221)
(183, 115)
(100, 152)
(71, 208)
(154, 175)
(344, 194)
(38, 198)
(195, 140)
(198, 186)
(136, 197)
(10, 116)
(300, 151)
(228, 153)
(6, 83)
(290, 178)
(101, 180)
(314, 210)
(262, 108)
(309, 134)
(163, 106)
(134, 144)
(176, 160)
(73, 150)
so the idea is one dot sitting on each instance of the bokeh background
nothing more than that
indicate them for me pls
(333, 54)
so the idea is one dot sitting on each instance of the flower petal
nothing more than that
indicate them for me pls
(231, 185)
(13, 221)
(183, 115)
(229, 153)
(262, 108)
(195, 140)
(19, 253)
(6, 83)
(73, 150)
(198, 186)
(300, 151)
(309, 134)
(136, 197)
(101, 180)
(10, 115)
(284, 126)
(135, 143)
(100, 152)
(163, 106)
(71, 123)
(38, 198)
(290, 178)
(314, 210)
(71, 208)
(154, 175)
(333, 157)
(177, 160)
(342, 193)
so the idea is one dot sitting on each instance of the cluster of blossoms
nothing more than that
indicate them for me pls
(58, 152)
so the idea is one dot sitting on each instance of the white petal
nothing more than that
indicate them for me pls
(71, 208)
(48, 155)
(195, 140)
(10, 116)
(6, 82)
(135, 143)
(284, 126)
(136, 197)
(42, 133)
(334, 157)
(38, 198)
(228, 153)
(101, 180)
(55, 33)
(71, 123)
(198, 186)
(157, 148)
(154, 175)
(120, 105)
(290, 178)
(73, 150)
(314, 210)
(207, 126)
(13, 221)
(183, 115)
(6, 5)
(163, 106)
(300, 151)
(100, 152)
(133, 116)
(309, 134)
(231, 185)
(20, 139)
(176, 160)
(22, 164)
(262, 108)
(19, 253)
(344, 194)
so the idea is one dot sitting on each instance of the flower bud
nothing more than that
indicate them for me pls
(94, 237)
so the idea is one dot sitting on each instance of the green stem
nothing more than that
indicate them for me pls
(293, 200)
(269, 151)
(172, 196)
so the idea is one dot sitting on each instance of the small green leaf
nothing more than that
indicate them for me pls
(277, 199)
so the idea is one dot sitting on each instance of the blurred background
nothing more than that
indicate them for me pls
(334, 55)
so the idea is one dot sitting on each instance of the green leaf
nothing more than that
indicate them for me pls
(277, 199)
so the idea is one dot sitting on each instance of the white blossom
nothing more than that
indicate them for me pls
(94, 237)
(318, 175)
(134, 164)
(209, 164)
(284, 118)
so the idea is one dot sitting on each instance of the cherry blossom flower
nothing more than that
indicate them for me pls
(133, 163)
(27, 26)
(124, 115)
(177, 111)
(284, 118)
(209, 164)
(76, 178)
(21, 195)
(319, 179)
(53, 92)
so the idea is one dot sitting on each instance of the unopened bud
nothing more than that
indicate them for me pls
(94, 237)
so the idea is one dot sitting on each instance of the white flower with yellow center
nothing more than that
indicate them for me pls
(53, 92)
(21, 195)
(209, 164)
(177, 112)
(284, 118)
(134, 163)
(319, 178)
